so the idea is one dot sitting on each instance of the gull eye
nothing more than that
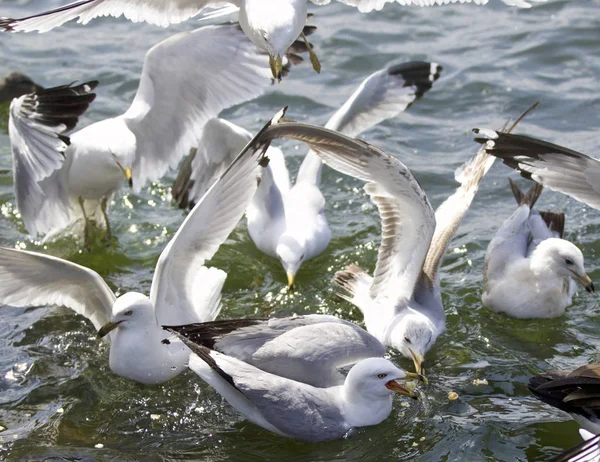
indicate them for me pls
(128, 313)
(568, 261)
(407, 340)
(381, 376)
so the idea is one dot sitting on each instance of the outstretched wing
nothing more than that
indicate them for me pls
(174, 100)
(36, 125)
(556, 167)
(157, 12)
(365, 6)
(380, 96)
(32, 279)
(178, 276)
(407, 217)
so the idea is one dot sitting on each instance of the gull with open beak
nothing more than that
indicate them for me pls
(64, 181)
(183, 289)
(296, 410)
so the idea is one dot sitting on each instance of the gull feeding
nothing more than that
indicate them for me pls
(183, 290)
(186, 81)
(288, 221)
(271, 25)
(294, 409)
(529, 268)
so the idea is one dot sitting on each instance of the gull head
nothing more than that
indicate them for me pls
(413, 337)
(130, 310)
(291, 253)
(563, 258)
(377, 378)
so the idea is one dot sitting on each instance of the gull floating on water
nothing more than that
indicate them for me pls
(16, 84)
(312, 349)
(558, 168)
(297, 410)
(183, 289)
(186, 81)
(271, 25)
(529, 268)
(288, 222)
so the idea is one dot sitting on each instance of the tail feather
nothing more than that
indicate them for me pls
(555, 221)
(530, 198)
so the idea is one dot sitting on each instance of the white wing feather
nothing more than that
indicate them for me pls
(366, 6)
(32, 279)
(156, 12)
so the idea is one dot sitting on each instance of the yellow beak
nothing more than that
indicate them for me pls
(397, 387)
(276, 67)
(107, 328)
(128, 174)
(585, 281)
(418, 360)
(291, 277)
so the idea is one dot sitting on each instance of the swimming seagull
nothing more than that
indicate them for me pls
(297, 410)
(556, 167)
(185, 82)
(575, 392)
(402, 304)
(16, 84)
(312, 349)
(529, 268)
(271, 25)
(288, 222)
(183, 289)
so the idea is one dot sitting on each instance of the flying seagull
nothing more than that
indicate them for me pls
(558, 168)
(297, 410)
(529, 268)
(271, 25)
(183, 289)
(288, 221)
(186, 81)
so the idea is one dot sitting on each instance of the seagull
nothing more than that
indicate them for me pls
(297, 410)
(558, 168)
(186, 81)
(287, 221)
(402, 304)
(183, 289)
(574, 392)
(312, 349)
(529, 268)
(271, 25)
(16, 84)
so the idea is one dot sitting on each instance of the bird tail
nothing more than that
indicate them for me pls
(530, 198)
(356, 282)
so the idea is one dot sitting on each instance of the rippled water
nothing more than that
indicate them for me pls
(59, 400)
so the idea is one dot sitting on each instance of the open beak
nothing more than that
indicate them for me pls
(418, 360)
(108, 327)
(397, 387)
(585, 281)
(128, 174)
(291, 277)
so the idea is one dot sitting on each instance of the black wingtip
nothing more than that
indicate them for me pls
(420, 74)
(7, 24)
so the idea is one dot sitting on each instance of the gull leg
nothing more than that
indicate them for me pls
(314, 60)
(104, 207)
(86, 227)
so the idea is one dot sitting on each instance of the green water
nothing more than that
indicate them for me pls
(59, 400)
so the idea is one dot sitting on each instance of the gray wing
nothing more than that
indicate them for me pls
(407, 218)
(450, 213)
(308, 349)
(382, 95)
(36, 125)
(32, 279)
(157, 12)
(281, 405)
(559, 168)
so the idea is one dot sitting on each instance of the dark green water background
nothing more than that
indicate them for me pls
(58, 398)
